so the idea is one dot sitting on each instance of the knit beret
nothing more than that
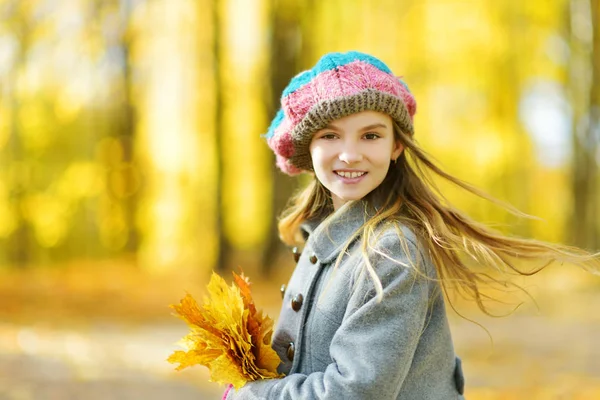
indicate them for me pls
(340, 84)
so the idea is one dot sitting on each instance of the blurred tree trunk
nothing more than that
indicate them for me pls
(127, 128)
(286, 53)
(516, 175)
(585, 62)
(594, 131)
(120, 122)
(19, 243)
(223, 243)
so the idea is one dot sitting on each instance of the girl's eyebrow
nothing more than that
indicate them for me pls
(374, 126)
(366, 128)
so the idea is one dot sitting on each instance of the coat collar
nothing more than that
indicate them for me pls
(328, 236)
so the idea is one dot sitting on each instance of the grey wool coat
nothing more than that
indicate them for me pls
(337, 341)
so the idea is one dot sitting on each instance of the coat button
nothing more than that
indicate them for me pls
(282, 290)
(296, 253)
(290, 351)
(297, 302)
(313, 259)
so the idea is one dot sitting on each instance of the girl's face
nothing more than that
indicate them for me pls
(352, 155)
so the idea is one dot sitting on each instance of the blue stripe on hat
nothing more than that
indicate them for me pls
(404, 84)
(274, 124)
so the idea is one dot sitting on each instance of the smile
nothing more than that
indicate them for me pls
(347, 174)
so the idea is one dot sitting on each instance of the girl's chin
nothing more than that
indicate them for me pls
(345, 197)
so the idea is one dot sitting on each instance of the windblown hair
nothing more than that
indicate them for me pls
(409, 196)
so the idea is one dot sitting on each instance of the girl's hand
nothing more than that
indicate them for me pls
(229, 387)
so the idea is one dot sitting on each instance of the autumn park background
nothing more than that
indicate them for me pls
(131, 166)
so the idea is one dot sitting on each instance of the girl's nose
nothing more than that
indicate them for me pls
(350, 155)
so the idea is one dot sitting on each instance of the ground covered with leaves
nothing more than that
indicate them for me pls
(105, 330)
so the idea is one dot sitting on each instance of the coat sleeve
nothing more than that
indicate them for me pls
(373, 348)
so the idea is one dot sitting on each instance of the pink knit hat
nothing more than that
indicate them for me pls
(339, 85)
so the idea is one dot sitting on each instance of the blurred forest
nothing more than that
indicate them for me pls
(133, 127)
(130, 145)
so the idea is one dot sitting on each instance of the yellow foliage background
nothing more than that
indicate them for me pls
(131, 166)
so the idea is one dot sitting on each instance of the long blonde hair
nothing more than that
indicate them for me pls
(409, 196)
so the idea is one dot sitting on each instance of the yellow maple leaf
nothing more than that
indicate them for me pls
(228, 335)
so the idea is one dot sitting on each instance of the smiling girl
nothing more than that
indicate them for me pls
(351, 157)
(363, 314)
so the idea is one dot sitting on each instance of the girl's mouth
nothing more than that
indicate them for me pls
(350, 176)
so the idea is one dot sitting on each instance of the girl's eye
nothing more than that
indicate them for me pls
(328, 136)
(371, 136)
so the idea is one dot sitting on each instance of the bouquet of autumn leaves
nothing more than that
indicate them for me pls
(228, 334)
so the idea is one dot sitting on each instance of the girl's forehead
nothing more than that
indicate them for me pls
(365, 118)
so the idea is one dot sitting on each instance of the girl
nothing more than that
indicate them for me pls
(363, 315)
